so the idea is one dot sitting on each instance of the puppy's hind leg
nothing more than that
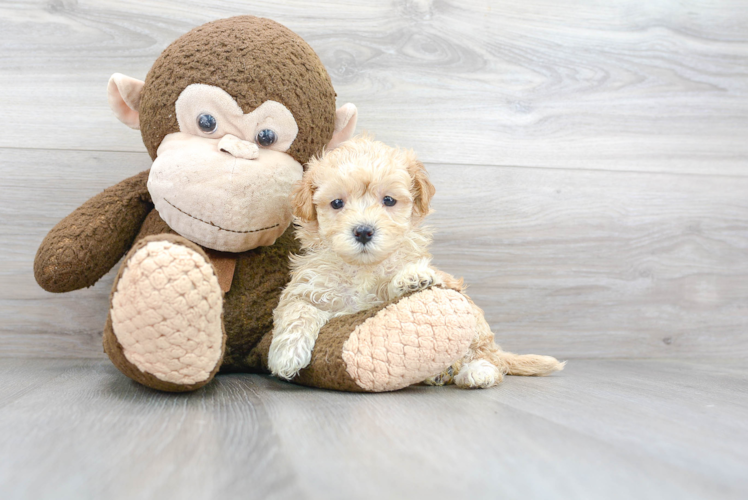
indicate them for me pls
(486, 364)
(478, 374)
(508, 362)
(296, 325)
(480, 368)
(489, 364)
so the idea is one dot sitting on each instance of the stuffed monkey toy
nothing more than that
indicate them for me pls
(230, 112)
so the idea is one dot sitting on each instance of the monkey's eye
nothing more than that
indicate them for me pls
(207, 123)
(266, 137)
(337, 204)
(389, 201)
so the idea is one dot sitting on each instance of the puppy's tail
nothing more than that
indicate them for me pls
(529, 364)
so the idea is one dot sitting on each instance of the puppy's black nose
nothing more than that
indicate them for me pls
(363, 234)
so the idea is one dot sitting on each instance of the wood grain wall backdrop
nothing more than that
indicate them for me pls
(591, 158)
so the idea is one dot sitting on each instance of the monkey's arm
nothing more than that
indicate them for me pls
(86, 244)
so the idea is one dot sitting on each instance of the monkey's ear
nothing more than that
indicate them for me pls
(345, 125)
(124, 99)
(303, 200)
(423, 190)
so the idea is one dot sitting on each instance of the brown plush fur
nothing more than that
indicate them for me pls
(86, 244)
(259, 278)
(221, 54)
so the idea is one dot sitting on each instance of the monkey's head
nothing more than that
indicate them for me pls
(229, 113)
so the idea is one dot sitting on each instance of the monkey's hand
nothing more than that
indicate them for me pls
(413, 277)
(296, 326)
(86, 244)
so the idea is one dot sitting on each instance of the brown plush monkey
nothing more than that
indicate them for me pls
(229, 113)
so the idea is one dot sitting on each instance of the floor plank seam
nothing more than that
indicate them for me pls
(449, 164)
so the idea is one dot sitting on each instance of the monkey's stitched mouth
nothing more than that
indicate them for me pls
(219, 227)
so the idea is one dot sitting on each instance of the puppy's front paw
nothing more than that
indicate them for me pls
(412, 278)
(289, 354)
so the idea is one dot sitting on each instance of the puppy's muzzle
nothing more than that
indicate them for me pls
(363, 234)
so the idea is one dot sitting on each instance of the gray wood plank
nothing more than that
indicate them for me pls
(21, 376)
(600, 263)
(92, 433)
(682, 412)
(647, 429)
(621, 430)
(569, 262)
(39, 188)
(599, 85)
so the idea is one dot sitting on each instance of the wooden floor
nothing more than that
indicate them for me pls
(645, 429)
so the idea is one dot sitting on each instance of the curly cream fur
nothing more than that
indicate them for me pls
(336, 275)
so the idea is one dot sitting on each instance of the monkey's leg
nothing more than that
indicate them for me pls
(165, 327)
(385, 349)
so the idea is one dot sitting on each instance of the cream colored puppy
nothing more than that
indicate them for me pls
(359, 209)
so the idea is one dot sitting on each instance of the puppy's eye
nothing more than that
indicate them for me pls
(207, 123)
(266, 137)
(389, 201)
(337, 204)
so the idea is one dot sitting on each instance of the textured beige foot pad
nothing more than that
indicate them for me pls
(410, 340)
(166, 313)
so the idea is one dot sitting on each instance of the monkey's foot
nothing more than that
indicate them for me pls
(165, 328)
(397, 345)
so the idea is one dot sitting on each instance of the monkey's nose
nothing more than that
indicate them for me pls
(238, 148)
(363, 234)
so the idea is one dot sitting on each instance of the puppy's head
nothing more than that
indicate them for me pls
(362, 199)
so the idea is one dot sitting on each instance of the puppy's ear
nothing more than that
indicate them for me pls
(423, 190)
(303, 203)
